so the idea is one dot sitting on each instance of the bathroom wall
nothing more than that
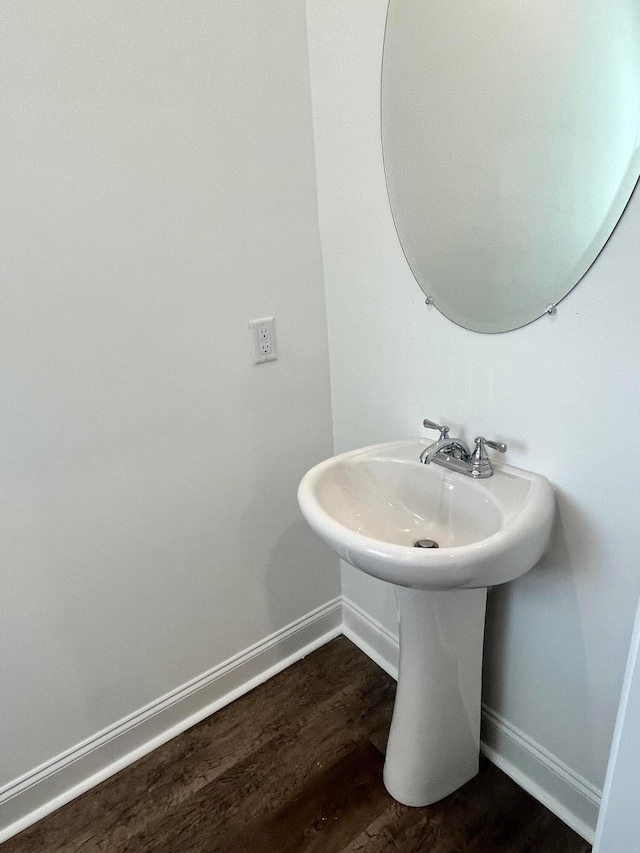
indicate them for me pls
(564, 393)
(157, 191)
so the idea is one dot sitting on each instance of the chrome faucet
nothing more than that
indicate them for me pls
(453, 447)
(454, 453)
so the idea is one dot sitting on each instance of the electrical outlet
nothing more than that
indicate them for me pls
(263, 339)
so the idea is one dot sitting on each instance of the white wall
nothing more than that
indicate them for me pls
(157, 191)
(564, 393)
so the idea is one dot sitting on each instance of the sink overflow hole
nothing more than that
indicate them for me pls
(425, 543)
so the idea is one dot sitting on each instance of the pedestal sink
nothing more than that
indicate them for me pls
(371, 506)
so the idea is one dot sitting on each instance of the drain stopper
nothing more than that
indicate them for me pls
(425, 543)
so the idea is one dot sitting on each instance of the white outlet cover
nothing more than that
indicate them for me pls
(266, 325)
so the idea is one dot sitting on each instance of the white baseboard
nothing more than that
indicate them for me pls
(55, 783)
(572, 798)
(549, 780)
(45, 789)
(371, 637)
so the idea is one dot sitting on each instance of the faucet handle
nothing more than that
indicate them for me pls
(480, 462)
(444, 430)
(481, 443)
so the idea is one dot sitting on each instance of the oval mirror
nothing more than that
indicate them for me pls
(510, 140)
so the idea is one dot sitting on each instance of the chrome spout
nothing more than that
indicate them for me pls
(455, 447)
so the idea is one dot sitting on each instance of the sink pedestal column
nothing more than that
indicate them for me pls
(434, 742)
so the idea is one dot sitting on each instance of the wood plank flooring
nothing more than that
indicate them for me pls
(295, 766)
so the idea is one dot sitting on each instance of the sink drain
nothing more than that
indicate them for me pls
(425, 543)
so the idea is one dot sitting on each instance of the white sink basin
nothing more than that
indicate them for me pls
(371, 506)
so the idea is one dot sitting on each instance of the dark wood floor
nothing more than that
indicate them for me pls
(295, 766)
